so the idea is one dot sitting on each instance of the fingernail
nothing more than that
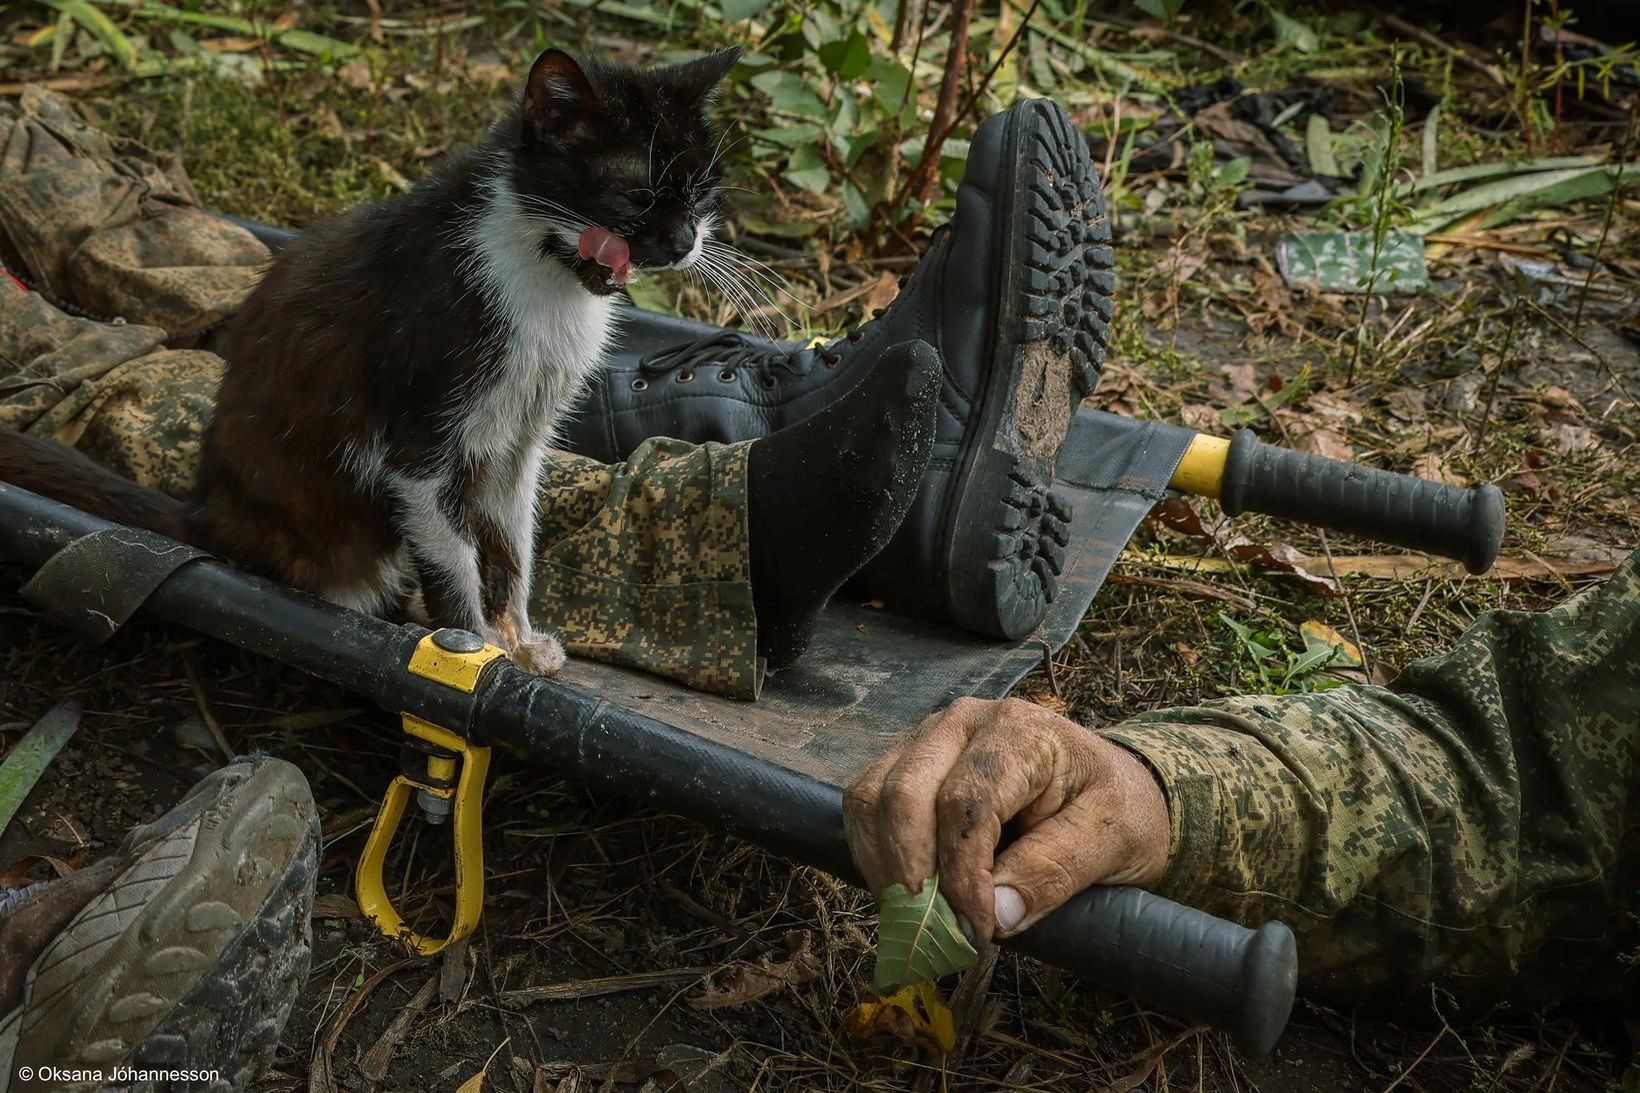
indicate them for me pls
(966, 927)
(1010, 909)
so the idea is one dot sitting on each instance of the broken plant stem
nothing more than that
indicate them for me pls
(923, 176)
(1395, 101)
(1497, 373)
(901, 15)
(1007, 50)
(1606, 224)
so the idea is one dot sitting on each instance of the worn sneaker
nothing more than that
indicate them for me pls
(1015, 292)
(174, 964)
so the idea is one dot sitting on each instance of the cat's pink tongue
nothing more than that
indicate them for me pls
(609, 250)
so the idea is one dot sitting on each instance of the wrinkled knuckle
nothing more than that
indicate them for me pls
(902, 792)
(962, 809)
(859, 800)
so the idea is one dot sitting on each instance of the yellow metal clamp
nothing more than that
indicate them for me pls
(452, 786)
(1201, 471)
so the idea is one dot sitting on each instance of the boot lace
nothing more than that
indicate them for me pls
(726, 350)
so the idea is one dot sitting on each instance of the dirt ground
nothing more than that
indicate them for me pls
(644, 924)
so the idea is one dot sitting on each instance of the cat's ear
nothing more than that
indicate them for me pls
(558, 97)
(698, 79)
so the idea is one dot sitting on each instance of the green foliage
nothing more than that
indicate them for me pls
(1277, 668)
(1165, 10)
(918, 938)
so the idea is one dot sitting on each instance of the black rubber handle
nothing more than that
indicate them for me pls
(1177, 959)
(1454, 522)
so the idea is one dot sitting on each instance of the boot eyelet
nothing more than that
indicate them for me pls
(833, 362)
(640, 384)
(726, 376)
(769, 383)
(687, 376)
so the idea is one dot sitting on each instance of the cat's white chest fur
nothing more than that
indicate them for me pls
(553, 335)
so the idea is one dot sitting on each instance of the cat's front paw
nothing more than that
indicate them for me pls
(539, 654)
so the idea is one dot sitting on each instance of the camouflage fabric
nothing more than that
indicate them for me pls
(1474, 824)
(116, 229)
(643, 565)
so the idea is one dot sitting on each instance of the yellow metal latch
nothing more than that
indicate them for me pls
(445, 773)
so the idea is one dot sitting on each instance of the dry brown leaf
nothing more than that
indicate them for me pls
(1201, 417)
(1309, 436)
(356, 74)
(1432, 466)
(1569, 439)
(335, 905)
(914, 1017)
(492, 75)
(1184, 515)
(1280, 558)
(1236, 382)
(1244, 138)
(752, 982)
(1317, 633)
(621, 1071)
(230, 45)
(883, 291)
(1048, 701)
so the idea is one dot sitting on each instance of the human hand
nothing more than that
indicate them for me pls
(1086, 811)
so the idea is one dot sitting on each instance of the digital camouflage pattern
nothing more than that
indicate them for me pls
(643, 565)
(107, 224)
(1473, 824)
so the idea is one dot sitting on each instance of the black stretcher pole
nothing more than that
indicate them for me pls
(1169, 956)
(1247, 475)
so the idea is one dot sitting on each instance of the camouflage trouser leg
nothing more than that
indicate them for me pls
(1474, 824)
(645, 564)
(642, 565)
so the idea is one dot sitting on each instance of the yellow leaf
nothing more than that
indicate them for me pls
(913, 1015)
(1318, 635)
(475, 1084)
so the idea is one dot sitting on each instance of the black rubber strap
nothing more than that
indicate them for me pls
(1177, 959)
(1464, 524)
(97, 582)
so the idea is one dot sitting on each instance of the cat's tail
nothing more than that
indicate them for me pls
(62, 474)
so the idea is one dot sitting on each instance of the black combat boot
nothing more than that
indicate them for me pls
(1015, 292)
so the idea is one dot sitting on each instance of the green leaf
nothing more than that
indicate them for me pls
(317, 44)
(889, 80)
(93, 19)
(1289, 31)
(1318, 143)
(789, 136)
(856, 205)
(918, 938)
(1515, 196)
(1165, 10)
(1234, 172)
(808, 169)
(736, 10)
(790, 93)
(848, 58)
(32, 755)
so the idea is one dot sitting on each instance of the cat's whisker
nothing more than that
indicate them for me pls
(733, 292)
(747, 294)
(752, 267)
(720, 151)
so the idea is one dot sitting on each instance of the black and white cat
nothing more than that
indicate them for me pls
(395, 381)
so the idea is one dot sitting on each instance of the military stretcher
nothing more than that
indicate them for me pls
(773, 772)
